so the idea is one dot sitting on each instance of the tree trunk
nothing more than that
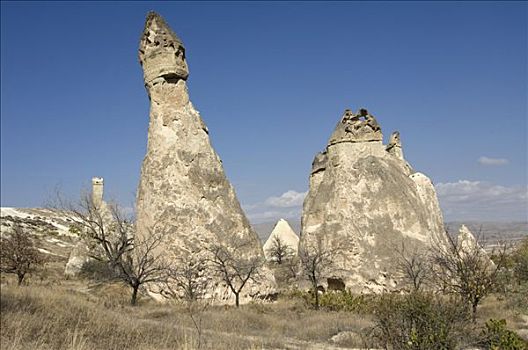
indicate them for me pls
(20, 278)
(474, 311)
(133, 300)
(316, 298)
(237, 299)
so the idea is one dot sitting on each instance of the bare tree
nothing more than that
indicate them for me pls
(468, 271)
(18, 255)
(111, 238)
(141, 265)
(415, 267)
(189, 277)
(280, 251)
(316, 261)
(105, 228)
(520, 261)
(235, 264)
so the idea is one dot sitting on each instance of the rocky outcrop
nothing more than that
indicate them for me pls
(79, 257)
(467, 244)
(364, 201)
(284, 233)
(183, 191)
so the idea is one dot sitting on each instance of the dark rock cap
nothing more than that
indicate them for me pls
(155, 22)
(161, 52)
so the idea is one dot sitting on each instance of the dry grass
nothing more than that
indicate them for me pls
(40, 317)
(284, 319)
(67, 316)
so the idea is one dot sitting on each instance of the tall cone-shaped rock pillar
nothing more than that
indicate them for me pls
(183, 191)
(365, 202)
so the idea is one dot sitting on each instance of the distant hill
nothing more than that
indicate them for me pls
(488, 231)
(55, 226)
(264, 229)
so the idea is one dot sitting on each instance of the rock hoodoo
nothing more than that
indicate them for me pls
(467, 244)
(364, 202)
(285, 234)
(80, 254)
(183, 191)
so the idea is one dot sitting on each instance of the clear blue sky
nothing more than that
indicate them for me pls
(270, 80)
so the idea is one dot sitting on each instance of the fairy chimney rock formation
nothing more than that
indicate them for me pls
(80, 254)
(97, 191)
(364, 201)
(285, 234)
(183, 192)
(467, 243)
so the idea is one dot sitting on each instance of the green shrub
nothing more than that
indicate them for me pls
(342, 301)
(520, 261)
(419, 321)
(97, 270)
(498, 337)
(75, 229)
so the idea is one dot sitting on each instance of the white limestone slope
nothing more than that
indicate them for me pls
(285, 233)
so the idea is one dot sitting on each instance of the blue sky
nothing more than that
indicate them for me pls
(271, 80)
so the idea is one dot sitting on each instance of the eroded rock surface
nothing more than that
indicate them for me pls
(183, 191)
(364, 202)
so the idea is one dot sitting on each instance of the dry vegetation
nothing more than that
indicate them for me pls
(68, 317)
(51, 312)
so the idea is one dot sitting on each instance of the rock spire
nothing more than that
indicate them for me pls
(183, 191)
(364, 202)
(285, 233)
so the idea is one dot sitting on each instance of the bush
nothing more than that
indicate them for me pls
(419, 321)
(498, 337)
(520, 261)
(98, 271)
(342, 301)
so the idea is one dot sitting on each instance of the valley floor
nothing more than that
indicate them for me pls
(75, 315)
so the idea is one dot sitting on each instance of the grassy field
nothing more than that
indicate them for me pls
(73, 315)
(63, 317)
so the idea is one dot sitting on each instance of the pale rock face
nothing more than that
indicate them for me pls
(364, 202)
(284, 232)
(467, 243)
(97, 191)
(183, 191)
(394, 146)
(79, 256)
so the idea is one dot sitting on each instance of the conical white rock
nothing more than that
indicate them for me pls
(467, 243)
(285, 233)
(183, 191)
(366, 201)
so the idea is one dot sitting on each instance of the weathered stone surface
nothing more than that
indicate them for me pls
(467, 243)
(183, 191)
(79, 256)
(363, 202)
(360, 127)
(394, 146)
(284, 232)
